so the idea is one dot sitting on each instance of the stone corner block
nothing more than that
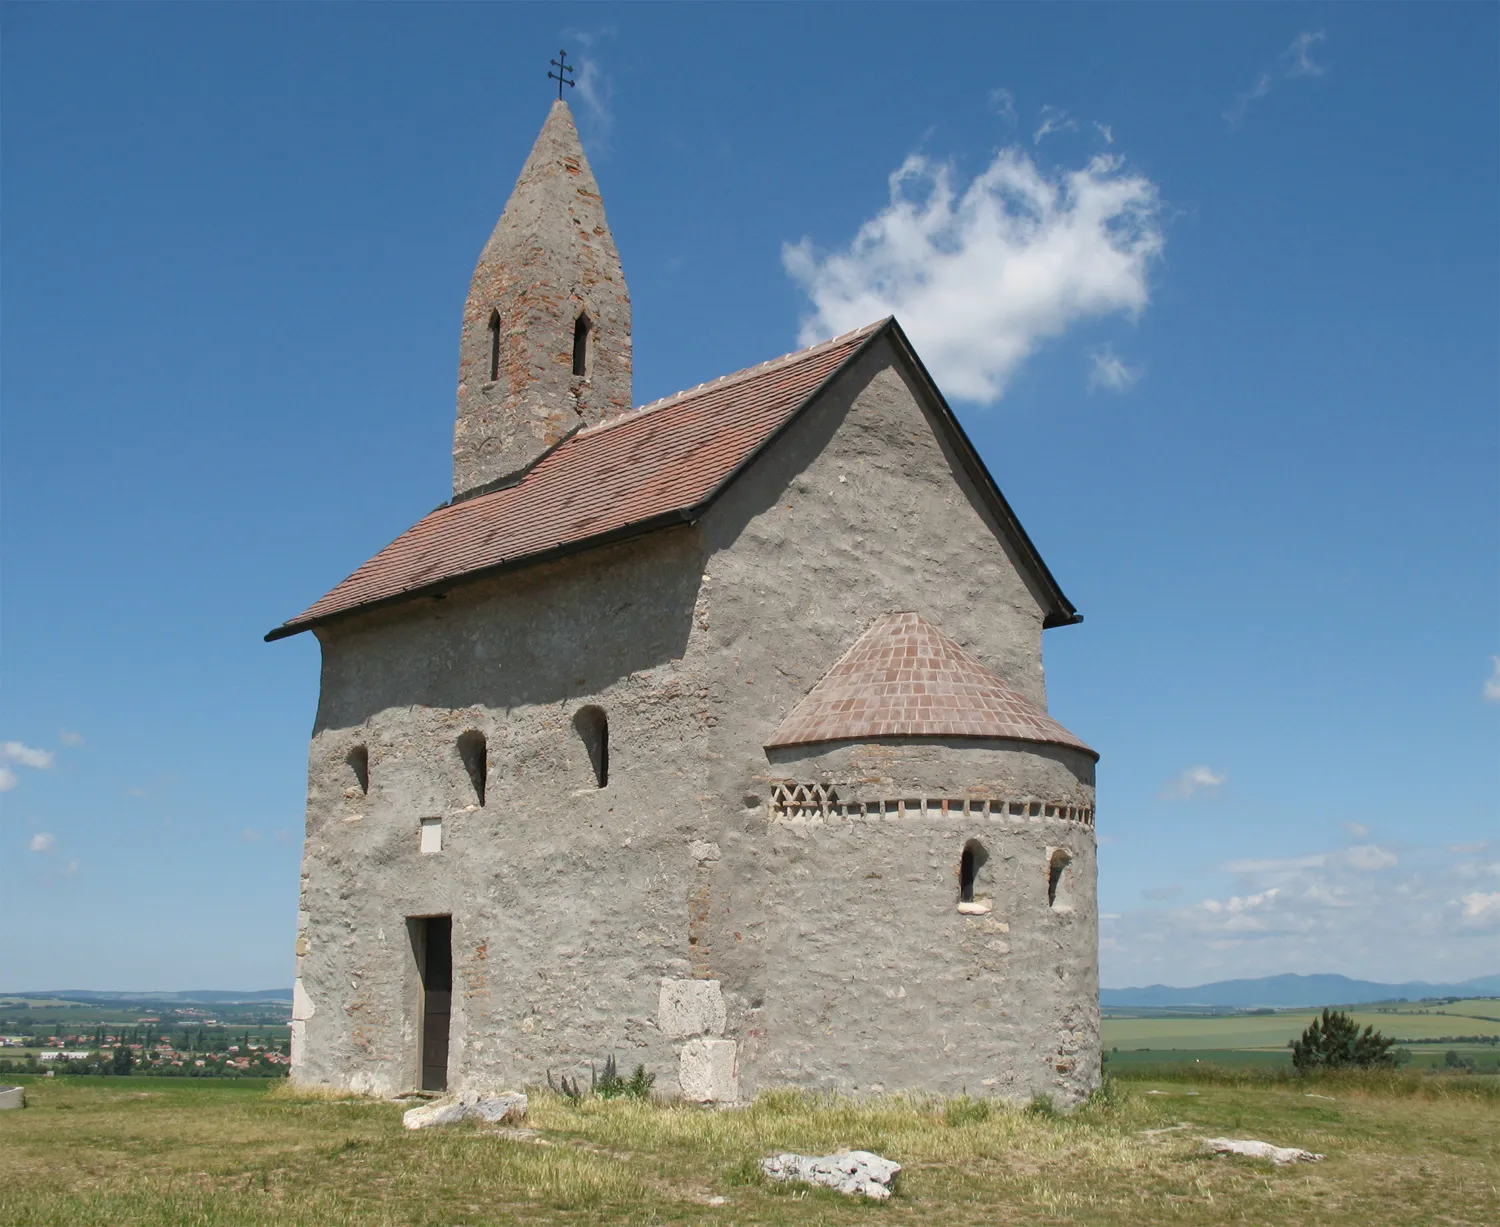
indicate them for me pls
(708, 1071)
(690, 1007)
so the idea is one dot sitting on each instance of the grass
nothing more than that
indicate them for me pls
(142, 1152)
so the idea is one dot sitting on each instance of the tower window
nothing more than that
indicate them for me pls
(1057, 866)
(593, 727)
(494, 346)
(581, 330)
(970, 863)
(474, 752)
(359, 763)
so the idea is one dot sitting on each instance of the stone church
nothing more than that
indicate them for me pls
(709, 734)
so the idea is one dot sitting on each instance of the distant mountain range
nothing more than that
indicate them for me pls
(1225, 994)
(1293, 991)
(205, 996)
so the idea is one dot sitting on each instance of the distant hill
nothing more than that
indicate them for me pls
(1293, 991)
(205, 996)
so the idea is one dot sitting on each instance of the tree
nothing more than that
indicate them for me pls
(122, 1062)
(1335, 1041)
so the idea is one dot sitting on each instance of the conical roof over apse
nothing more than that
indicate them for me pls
(905, 678)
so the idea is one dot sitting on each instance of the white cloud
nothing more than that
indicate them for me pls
(1005, 106)
(1295, 61)
(1321, 911)
(1277, 866)
(980, 275)
(1300, 55)
(250, 835)
(69, 738)
(8, 779)
(1162, 892)
(1356, 829)
(594, 89)
(1193, 780)
(1469, 849)
(42, 842)
(1107, 370)
(68, 870)
(1481, 908)
(1235, 116)
(1369, 857)
(1492, 683)
(27, 756)
(1054, 119)
(1106, 132)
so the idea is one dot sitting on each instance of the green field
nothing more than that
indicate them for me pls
(1429, 1030)
(141, 1152)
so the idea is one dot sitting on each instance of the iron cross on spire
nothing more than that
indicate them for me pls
(561, 75)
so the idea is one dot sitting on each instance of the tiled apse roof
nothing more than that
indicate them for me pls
(905, 678)
(662, 460)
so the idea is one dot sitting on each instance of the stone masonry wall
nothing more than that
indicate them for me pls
(551, 258)
(579, 912)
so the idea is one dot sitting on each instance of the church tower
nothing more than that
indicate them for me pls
(546, 331)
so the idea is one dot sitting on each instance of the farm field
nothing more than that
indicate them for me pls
(1260, 1038)
(1274, 1030)
(140, 1152)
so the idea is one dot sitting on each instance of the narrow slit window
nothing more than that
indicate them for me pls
(593, 728)
(581, 329)
(969, 866)
(494, 346)
(359, 763)
(474, 751)
(1057, 867)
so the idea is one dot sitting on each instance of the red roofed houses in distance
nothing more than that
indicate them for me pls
(710, 735)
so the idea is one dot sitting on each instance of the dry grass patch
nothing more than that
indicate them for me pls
(138, 1153)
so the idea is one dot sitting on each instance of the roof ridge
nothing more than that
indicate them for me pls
(728, 380)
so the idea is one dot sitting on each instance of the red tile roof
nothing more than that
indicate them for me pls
(905, 678)
(629, 473)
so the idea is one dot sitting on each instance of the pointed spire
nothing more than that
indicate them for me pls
(546, 331)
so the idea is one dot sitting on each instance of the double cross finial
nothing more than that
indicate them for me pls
(561, 75)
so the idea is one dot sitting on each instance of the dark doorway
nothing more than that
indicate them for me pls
(432, 943)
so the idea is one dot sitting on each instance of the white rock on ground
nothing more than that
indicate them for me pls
(12, 1097)
(496, 1109)
(853, 1172)
(1259, 1150)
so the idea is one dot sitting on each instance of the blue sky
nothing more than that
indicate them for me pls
(1240, 385)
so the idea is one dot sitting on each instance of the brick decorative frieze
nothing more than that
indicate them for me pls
(793, 802)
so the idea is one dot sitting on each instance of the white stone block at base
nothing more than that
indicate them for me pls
(708, 1071)
(690, 1007)
(302, 1004)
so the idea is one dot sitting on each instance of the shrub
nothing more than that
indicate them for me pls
(608, 1085)
(1336, 1042)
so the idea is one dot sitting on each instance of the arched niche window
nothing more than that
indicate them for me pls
(359, 764)
(593, 727)
(581, 330)
(494, 345)
(972, 874)
(474, 752)
(1058, 860)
